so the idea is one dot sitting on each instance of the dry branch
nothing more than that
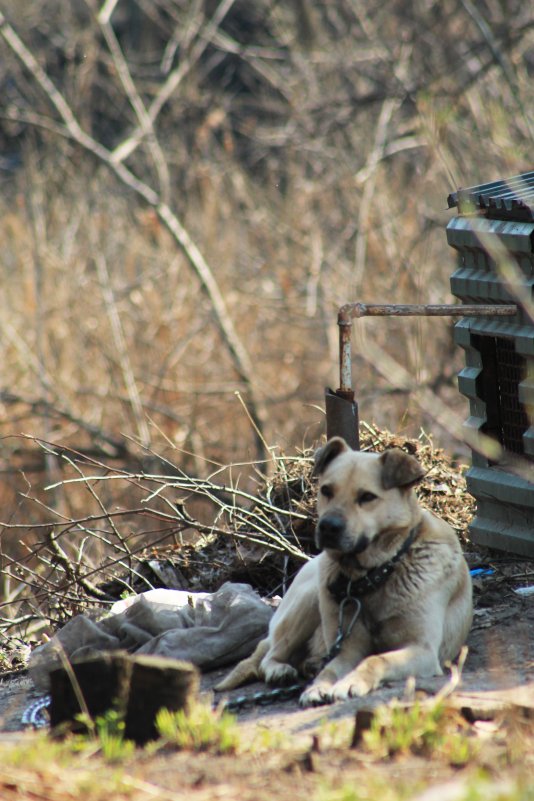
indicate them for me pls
(122, 350)
(129, 145)
(116, 447)
(146, 124)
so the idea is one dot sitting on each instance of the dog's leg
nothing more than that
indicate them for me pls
(291, 634)
(356, 671)
(414, 660)
(291, 626)
(354, 649)
(316, 655)
(246, 670)
(416, 657)
(320, 692)
(437, 636)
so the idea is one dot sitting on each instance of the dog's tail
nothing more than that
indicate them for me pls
(246, 670)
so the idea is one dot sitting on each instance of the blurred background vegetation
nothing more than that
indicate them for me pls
(189, 191)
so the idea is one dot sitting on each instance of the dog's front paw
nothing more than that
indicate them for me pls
(350, 687)
(280, 674)
(316, 695)
(360, 681)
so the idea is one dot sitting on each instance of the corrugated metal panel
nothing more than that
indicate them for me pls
(470, 232)
(498, 378)
(511, 197)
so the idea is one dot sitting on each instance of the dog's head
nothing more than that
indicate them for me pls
(362, 494)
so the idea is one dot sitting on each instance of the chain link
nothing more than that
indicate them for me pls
(37, 713)
(263, 698)
(343, 634)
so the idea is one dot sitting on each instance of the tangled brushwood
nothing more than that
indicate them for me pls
(182, 532)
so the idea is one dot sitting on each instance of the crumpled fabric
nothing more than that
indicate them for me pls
(210, 630)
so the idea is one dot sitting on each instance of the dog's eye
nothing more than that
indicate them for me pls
(327, 491)
(366, 497)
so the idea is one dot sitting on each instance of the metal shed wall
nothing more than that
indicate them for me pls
(498, 377)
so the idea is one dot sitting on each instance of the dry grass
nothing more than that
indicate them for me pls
(430, 761)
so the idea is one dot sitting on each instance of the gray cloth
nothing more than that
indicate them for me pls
(209, 630)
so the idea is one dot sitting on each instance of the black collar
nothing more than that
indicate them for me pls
(343, 587)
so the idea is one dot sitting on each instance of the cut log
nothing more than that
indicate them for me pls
(156, 683)
(137, 687)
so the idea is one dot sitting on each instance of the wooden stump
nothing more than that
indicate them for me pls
(157, 682)
(136, 686)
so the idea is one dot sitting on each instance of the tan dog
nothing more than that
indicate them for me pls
(397, 571)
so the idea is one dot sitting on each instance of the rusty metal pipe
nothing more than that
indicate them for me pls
(341, 406)
(351, 311)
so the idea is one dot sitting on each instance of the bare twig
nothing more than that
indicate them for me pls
(71, 570)
(122, 350)
(174, 79)
(388, 109)
(501, 59)
(59, 570)
(146, 124)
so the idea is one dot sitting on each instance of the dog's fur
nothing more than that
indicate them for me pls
(413, 623)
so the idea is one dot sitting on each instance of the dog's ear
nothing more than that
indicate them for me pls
(400, 469)
(323, 456)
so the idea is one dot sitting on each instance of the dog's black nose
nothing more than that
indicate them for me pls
(330, 529)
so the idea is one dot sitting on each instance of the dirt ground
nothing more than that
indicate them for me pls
(498, 675)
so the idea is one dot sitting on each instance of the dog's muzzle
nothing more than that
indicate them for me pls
(331, 532)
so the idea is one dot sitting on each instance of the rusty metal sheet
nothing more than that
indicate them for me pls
(342, 417)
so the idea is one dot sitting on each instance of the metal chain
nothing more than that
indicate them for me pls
(36, 714)
(341, 634)
(262, 698)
